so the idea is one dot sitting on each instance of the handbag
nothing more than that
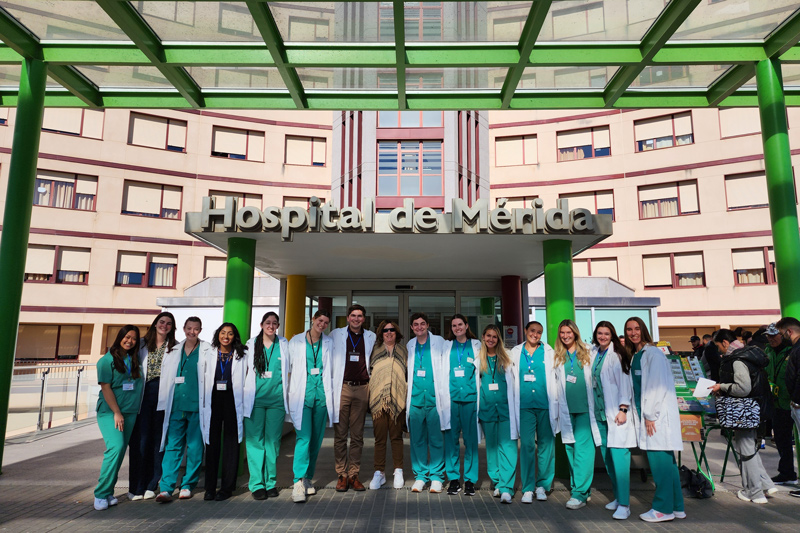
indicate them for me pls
(695, 484)
(738, 413)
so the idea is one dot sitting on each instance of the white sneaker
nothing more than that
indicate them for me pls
(496, 493)
(185, 494)
(135, 497)
(436, 486)
(299, 492)
(612, 506)
(622, 512)
(100, 504)
(112, 501)
(541, 494)
(310, 490)
(149, 495)
(399, 481)
(679, 514)
(378, 480)
(654, 516)
(527, 497)
(575, 503)
(742, 497)
(505, 498)
(772, 491)
(418, 486)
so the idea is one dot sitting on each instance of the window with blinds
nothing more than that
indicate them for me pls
(307, 151)
(300, 201)
(603, 268)
(65, 191)
(580, 268)
(598, 202)
(753, 266)
(161, 270)
(689, 271)
(142, 269)
(520, 202)
(215, 267)
(242, 199)
(574, 21)
(73, 265)
(157, 132)
(663, 132)
(237, 144)
(74, 121)
(515, 151)
(48, 341)
(668, 199)
(39, 263)
(584, 143)
(746, 191)
(736, 121)
(131, 268)
(674, 270)
(151, 200)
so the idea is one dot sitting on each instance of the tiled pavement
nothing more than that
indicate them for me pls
(48, 479)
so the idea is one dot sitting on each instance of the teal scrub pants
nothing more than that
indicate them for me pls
(309, 440)
(262, 440)
(618, 466)
(668, 497)
(463, 421)
(183, 430)
(501, 455)
(116, 443)
(581, 456)
(426, 435)
(537, 447)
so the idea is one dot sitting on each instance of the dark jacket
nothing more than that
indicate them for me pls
(793, 373)
(713, 360)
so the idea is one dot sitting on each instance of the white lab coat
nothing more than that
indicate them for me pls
(238, 374)
(564, 421)
(298, 374)
(144, 354)
(659, 403)
(166, 386)
(339, 360)
(250, 378)
(617, 390)
(440, 373)
(511, 374)
(552, 388)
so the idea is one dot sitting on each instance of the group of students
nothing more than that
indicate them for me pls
(165, 398)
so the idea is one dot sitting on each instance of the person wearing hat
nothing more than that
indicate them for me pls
(778, 352)
(697, 346)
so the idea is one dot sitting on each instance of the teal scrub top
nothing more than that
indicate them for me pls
(597, 385)
(532, 394)
(636, 371)
(494, 403)
(423, 391)
(269, 385)
(577, 400)
(127, 400)
(187, 394)
(315, 387)
(462, 386)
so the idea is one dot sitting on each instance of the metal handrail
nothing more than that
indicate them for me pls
(45, 373)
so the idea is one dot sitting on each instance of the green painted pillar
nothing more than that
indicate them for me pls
(239, 277)
(780, 184)
(559, 297)
(17, 220)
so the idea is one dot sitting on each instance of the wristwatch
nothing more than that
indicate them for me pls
(623, 410)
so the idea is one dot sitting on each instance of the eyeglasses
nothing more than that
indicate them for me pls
(389, 330)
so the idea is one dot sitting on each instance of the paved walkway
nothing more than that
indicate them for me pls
(48, 479)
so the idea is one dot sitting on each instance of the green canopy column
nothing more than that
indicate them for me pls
(17, 220)
(559, 298)
(780, 184)
(238, 307)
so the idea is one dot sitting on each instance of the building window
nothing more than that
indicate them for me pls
(583, 144)
(754, 266)
(57, 264)
(668, 199)
(3, 116)
(578, 20)
(65, 191)
(520, 202)
(663, 132)
(673, 270)
(180, 12)
(307, 151)
(215, 267)
(50, 341)
(515, 151)
(423, 21)
(74, 121)
(738, 121)
(598, 202)
(662, 73)
(300, 201)
(746, 191)
(237, 144)
(157, 132)
(410, 168)
(151, 200)
(597, 267)
(410, 119)
(242, 199)
(302, 29)
(140, 269)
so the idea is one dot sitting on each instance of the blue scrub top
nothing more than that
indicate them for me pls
(462, 388)
(577, 399)
(494, 403)
(532, 394)
(423, 391)
(315, 387)
(269, 390)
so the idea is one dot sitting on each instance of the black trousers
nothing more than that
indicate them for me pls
(223, 437)
(782, 425)
(145, 456)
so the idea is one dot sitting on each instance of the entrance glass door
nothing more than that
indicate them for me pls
(440, 308)
(379, 307)
(400, 305)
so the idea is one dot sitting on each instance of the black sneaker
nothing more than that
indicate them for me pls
(781, 479)
(260, 494)
(795, 493)
(454, 488)
(210, 495)
(469, 489)
(272, 493)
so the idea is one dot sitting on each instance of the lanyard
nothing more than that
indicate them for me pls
(598, 362)
(460, 351)
(127, 362)
(354, 344)
(268, 357)
(494, 366)
(184, 358)
(529, 360)
(319, 347)
(421, 350)
(222, 366)
(572, 357)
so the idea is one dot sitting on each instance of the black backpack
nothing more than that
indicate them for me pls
(756, 361)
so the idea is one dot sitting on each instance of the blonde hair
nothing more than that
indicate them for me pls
(581, 350)
(503, 359)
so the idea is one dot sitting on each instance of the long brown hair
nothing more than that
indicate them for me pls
(379, 332)
(646, 338)
(503, 359)
(622, 353)
(119, 354)
(451, 336)
(151, 336)
(581, 350)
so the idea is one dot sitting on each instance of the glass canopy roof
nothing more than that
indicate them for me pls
(541, 54)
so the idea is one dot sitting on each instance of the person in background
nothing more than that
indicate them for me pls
(790, 329)
(145, 454)
(777, 351)
(658, 422)
(711, 354)
(387, 400)
(760, 338)
(746, 337)
(266, 402)
(460, 353)
(179, 398)
(697, 346)
(119, 375)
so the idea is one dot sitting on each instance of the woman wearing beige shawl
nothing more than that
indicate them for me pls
(387, 400)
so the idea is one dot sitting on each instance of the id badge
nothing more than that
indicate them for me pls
(222, 385)
(458, 372)
(420, 373)
(637, 372)
(268, 374)
(530, 377)
(127, 385)
(572, 379)
(179, 380)
(470, 360)
(494, 386)
(314, 371)
(354, 358)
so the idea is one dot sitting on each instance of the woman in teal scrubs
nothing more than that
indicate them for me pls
(655, 407)
(119, 374)
(579, 431)
(495, 383)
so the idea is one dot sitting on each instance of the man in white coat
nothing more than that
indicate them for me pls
(352, 347)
